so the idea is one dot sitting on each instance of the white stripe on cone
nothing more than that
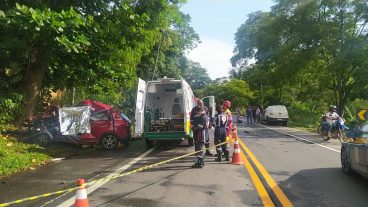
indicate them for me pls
(236, 150)
(81, 194)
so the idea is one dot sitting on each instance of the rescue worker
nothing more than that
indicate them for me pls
(200, 123)
(192, 114)
(220, 122)
(226, 108)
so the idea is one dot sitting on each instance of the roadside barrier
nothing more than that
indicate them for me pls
(32, 198)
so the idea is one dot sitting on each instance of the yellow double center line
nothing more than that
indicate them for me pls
(266, 200)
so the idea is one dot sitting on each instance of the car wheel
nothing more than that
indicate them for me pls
(285, 123)
(190, 142)
(149, 143)
(42, 139)
(345, 161)
(109, 141)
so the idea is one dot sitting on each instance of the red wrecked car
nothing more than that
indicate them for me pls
(109, 127)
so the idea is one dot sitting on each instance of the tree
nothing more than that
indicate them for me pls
(319, 43)
(196, 76)
(237, 91)
(94, 46)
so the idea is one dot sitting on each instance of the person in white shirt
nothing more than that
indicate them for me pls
(332, 117)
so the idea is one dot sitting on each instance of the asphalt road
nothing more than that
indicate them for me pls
(306, 173)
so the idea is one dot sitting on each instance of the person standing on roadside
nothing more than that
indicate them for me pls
(249, 115)
(254, 114)
(220, 122)
(200, 123)
(226, 105)
(258, 115)
(200, 105)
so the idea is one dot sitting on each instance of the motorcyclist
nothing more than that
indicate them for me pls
(331, 118)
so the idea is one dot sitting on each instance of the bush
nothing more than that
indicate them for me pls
(11, 109)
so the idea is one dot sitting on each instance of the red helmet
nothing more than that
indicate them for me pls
(227, 104)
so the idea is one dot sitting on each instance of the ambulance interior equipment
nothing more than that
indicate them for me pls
(164, 110)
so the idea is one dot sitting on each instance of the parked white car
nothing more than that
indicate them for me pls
(274, 114)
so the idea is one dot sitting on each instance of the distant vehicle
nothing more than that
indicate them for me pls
(163, 110)
(354, 152)
(109, 127)
(276, 114)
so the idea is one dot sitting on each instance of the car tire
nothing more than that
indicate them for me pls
(149, 143)
(285, 123)
(109, 141)
(43, 139)
(345, 161)
(190, 142)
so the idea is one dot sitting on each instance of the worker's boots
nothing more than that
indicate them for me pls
(199, 163)
(219, 157)
(227, 158)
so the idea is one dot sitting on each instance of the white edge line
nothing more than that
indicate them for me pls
(300, 138)
(97, 185)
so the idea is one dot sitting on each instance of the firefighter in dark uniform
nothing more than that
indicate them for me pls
(192, 114)
(200, 124)
(220, 122)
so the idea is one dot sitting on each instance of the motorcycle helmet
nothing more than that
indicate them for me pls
(333, 108)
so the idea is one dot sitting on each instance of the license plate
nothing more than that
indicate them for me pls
(279, 119)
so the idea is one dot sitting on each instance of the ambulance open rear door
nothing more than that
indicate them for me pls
(139, 108)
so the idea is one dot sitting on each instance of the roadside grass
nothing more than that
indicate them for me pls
(303, 121)
(306, 127)
(17, 156)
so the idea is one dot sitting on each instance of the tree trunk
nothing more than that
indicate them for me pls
(33, 80)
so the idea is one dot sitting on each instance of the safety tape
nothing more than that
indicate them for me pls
(32, 198)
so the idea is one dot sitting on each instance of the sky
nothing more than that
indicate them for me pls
(216, 22)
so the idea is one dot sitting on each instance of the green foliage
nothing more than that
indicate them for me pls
(97, 47)
(11, 108)
(237, 91)
(308, 54)
(196, 76)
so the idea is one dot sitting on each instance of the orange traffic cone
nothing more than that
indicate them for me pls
(236, 160)
(234, 134)
(81, 199)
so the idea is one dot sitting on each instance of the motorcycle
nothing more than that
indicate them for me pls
(338, 130)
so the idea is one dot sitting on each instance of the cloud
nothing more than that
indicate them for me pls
(214, 55)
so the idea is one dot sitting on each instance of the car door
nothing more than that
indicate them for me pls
(358, 156)
(121, 125)
(139, 108)
(101, 123)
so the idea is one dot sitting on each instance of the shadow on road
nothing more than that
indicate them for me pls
(326, 187)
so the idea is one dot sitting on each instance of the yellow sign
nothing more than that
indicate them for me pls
(362, 114)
